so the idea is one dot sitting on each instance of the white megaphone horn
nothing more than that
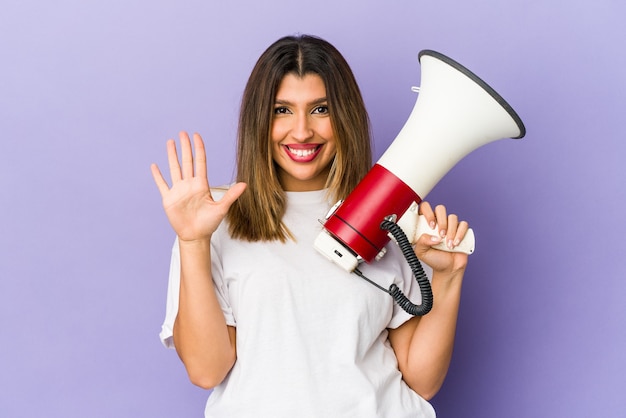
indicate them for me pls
(455, 113)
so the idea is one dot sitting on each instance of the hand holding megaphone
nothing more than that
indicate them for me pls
(456, 112)
(415, 225)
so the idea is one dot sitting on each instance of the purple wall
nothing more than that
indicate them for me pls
(90, 91)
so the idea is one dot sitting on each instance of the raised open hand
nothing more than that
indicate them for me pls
(188, 204)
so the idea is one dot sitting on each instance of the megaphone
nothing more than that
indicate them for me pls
(455, 113)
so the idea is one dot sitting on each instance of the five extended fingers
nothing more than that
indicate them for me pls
(192, 164)
(188, 166)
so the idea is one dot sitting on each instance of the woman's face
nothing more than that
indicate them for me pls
(303, 142)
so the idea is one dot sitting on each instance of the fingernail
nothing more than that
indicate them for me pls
(450, 244)
(435, 238)
(442, 232)
(432, 225)
(457, 242)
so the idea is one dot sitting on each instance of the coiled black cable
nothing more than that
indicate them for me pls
(416, 268)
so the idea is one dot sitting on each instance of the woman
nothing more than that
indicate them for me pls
(253, 311)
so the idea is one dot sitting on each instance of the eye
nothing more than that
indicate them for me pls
(321, 110)
(281, 110)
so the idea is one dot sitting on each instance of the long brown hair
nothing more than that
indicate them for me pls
(257, 214)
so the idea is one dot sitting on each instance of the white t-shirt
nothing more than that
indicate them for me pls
(311, 338)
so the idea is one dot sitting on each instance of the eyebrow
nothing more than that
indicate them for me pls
(314, 102)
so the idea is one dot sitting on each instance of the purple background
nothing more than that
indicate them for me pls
(90, 91)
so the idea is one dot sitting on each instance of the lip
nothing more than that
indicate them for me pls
(304, 153)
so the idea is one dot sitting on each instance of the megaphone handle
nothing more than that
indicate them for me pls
(466, 245)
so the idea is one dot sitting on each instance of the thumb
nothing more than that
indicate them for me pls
(425, 243)
(233, 194)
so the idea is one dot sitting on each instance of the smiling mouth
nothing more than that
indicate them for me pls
(305, 154)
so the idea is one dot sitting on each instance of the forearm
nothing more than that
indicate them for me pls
(424, 345)
(433, 340)
(203, 341)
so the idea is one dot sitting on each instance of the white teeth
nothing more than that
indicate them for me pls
(302, 152)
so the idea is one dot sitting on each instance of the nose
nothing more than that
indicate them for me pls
(302, 129)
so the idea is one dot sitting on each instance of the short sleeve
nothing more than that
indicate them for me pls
(173, 291)
(219, 281)
(171, 305)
